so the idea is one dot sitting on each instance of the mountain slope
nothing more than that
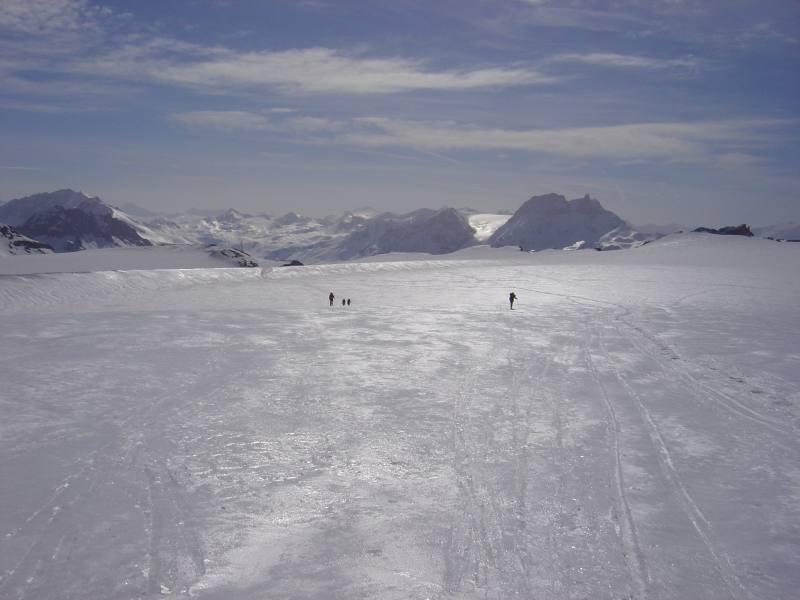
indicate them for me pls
(425, 230)
(69, 221)
(13, 242)
(550, 221)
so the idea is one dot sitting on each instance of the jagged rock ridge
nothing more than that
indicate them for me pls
(13, 242)
(551, 221)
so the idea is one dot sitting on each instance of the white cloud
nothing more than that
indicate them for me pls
(315, 124)
(675, 142)
(221, 120)
(326, 70)
(308, 70)
(624, 61)
(44, 16)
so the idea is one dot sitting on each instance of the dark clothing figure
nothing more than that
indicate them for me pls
(330, 298)
(344, 302)
(348, 302)
(511, 297)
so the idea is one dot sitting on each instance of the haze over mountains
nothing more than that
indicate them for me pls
(67, 220)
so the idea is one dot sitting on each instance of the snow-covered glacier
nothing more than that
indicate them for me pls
(629, 430)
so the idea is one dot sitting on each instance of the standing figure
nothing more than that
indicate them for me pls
(348, 302)
(330, 298)
(511, 297)
(343, 302)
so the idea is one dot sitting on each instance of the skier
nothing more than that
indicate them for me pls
(343, 302)
(511, 297)
(330, 298)
(348, 302)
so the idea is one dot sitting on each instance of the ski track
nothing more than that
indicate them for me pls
(634, 557)
(670, 473)
(704, 390)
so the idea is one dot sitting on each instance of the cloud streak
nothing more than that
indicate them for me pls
(674, 142)
(221, 120)
(624, 61)
(306, 70)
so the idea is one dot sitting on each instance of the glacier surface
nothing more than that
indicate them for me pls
(629, 430)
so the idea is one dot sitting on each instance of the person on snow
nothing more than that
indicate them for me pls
(330, 298)
(511, 297)
(348, 302)
(344, 302)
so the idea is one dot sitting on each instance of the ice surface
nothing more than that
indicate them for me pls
(628, 431)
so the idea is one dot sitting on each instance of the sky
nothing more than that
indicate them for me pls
(667, 111)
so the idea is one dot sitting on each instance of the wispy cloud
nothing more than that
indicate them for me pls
(307, 70)
(676, 142)
(221, 120)
(624, 61)
(45, 16)
(19, 168)
(315, 124)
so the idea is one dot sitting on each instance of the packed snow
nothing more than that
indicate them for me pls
(123, 259)
(629, 430)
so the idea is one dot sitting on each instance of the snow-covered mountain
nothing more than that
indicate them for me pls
(551, 221)
(336, 237)
(67, 221)
(13, 242)
(425, 230)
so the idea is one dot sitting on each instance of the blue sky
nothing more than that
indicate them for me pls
(665, 110)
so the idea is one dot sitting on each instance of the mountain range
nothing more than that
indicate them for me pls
(66, 220)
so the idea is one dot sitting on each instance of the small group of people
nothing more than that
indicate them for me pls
(346, 302)
(331, 298)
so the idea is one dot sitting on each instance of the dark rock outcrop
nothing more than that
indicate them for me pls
(730, 230)
(16, 243)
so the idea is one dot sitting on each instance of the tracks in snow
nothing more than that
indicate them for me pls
(656, 350)
(634, 557)
(700, 523)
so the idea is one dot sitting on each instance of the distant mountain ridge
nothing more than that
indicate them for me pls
(69, 220)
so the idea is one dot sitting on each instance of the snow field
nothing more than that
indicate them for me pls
(629, 430)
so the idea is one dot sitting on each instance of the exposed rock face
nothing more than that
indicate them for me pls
(13, 242)
(237, 257)
(730, 230)
(550, 221)
(67, 221)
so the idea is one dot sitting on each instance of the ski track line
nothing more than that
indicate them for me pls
(703, 390)
(534, 385)
(520, 441)
(693, 512)
(480, 507)
(61, 500)
(724, 400)
(634, 557)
